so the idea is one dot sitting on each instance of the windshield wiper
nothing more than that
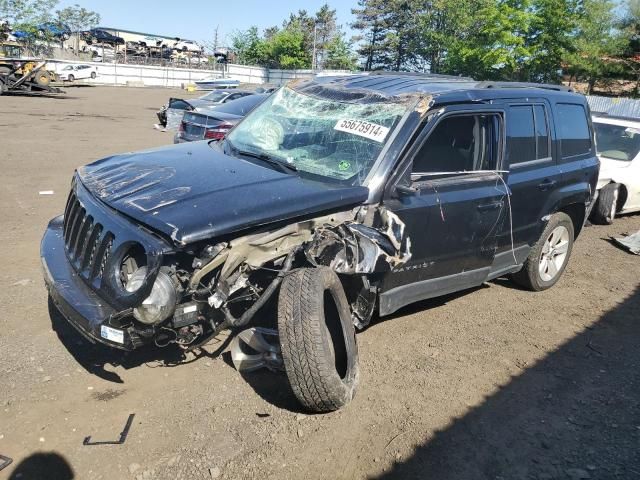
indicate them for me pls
(284, 167)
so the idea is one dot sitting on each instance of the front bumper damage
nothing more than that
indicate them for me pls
(366, 240)
(81, 306)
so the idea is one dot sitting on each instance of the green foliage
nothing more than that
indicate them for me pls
(287, 50)
(78, 18)
(595, 44)
(339, 55)
(249, 48)
(525, 40)
(26, 14)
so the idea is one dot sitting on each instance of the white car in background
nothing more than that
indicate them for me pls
(187, 46)
(618, 147)
(78, 72)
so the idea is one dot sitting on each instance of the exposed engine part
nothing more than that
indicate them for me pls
(256, 348)
(231, 321)
(185, 314)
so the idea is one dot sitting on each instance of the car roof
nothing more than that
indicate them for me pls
(449, 88)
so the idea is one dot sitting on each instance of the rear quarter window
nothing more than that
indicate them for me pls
(573, 130)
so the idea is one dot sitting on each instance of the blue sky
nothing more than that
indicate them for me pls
(197, 20)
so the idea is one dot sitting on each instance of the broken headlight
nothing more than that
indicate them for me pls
(161, 302)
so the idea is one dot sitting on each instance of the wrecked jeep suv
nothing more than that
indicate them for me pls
(335, 198)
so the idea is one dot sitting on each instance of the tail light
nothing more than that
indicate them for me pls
(218, 132)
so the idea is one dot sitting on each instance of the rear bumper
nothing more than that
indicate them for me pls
(79, 305)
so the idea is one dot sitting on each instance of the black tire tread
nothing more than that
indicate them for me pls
(310, 369)
(528, 276)
(602, 210)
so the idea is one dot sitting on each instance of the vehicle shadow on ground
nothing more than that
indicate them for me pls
(272, 387)
(95, 357)
(40, 465)
(575, 414)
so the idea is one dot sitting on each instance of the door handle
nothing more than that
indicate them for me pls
(547, 184)
(490, 206)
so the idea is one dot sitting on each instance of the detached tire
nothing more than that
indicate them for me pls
(549, 256)
(317, 339)
(607, 205)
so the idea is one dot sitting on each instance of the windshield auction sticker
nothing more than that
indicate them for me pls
(364, 129)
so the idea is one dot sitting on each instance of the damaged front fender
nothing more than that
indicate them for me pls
(373, 242)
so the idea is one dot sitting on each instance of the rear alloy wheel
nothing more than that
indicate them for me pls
(93, 75)
(317, 339)
(549, 256)
(71, 78)
(607, 206)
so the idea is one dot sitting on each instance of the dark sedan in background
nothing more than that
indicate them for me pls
(213, 98)
(213, 123)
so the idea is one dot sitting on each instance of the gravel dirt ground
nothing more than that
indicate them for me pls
(493, 383)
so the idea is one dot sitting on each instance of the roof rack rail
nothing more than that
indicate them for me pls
(435, 76)
(546, 86)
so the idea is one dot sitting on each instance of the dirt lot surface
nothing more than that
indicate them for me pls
(494, 383)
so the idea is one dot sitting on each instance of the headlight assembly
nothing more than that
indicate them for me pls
(161, 302)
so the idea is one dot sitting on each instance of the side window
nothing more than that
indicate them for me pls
(527, 134)
(460, 143)
(575, 138)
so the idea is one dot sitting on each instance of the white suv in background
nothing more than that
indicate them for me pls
(78, 72)
(618, 147)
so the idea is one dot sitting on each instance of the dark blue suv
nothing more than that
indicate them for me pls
(335, 198)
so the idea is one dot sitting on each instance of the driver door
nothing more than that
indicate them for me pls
(453, 202)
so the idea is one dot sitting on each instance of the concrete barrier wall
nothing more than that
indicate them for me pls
(154, 76)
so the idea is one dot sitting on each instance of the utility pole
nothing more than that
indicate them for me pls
(215, 40)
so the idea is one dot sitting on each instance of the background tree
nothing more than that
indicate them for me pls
(339, 55)
(326, 34)
(370, 20)
(597, 43)
(248, 47)
(287, 50)
(77, 18)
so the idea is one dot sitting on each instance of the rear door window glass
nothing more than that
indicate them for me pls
(575, 138)
(521, 138)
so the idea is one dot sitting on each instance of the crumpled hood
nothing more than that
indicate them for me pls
(192, 192)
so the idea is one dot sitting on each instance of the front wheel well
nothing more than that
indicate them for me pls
(576, 212)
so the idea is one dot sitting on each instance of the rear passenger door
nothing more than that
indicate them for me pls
(533, 176)
(454, 208)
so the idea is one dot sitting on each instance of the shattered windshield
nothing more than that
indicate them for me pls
(617, 141)
(334, 140)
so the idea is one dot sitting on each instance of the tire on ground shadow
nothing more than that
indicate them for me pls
(534, 276)
(317, 339)
(607, 205)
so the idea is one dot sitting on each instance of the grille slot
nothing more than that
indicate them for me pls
(87, 243)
